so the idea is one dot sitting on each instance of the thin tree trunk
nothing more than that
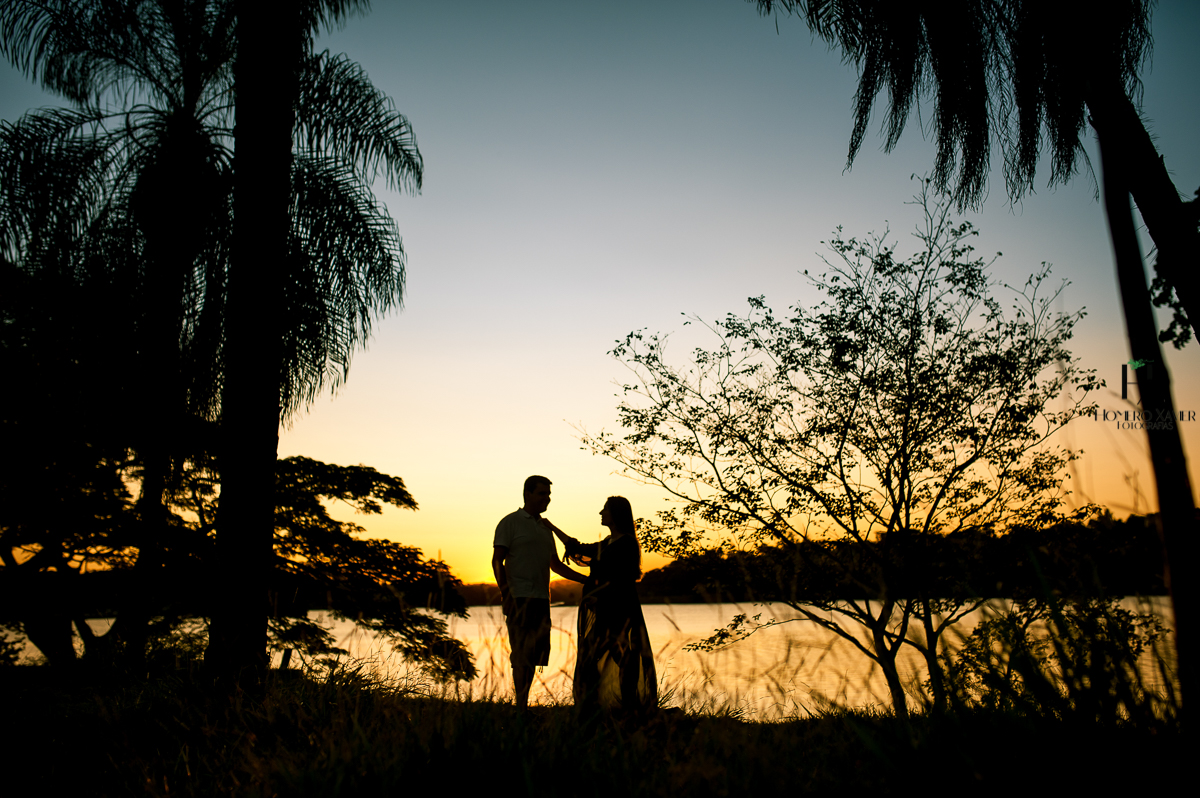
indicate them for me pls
(1176, 509)
(269, 46)
(887, 662)
(937, 681)
(51, 634)
(886, 657)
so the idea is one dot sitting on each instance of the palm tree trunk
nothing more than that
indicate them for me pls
(1176, 509)
(269, 47)
(1170, 221)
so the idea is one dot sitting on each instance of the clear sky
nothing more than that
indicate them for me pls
(595, 168)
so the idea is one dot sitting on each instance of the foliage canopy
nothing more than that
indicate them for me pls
(55, 580)
(908, 403)
(908, 400)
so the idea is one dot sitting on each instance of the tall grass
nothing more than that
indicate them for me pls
(359, 728)
(345, 731)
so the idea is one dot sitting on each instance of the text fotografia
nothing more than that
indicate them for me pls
(1141, 419)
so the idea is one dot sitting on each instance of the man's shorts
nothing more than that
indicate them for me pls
(529, 632)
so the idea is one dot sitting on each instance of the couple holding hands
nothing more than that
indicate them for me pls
(614, 667)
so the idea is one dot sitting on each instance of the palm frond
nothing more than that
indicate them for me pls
(341, 113)
(202, 337)
(57, 171)
(1053, 53)
(1011, 71)
(317, 14)
(347, 268)
(173, 54)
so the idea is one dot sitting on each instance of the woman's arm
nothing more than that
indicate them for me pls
(566, 539)
(565, 571)
(576, 552)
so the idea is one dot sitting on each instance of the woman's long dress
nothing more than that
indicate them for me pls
(614, 668)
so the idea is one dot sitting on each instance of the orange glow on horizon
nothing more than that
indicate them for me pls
(1113, 472)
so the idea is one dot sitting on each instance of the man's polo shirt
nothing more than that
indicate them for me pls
(530, 551)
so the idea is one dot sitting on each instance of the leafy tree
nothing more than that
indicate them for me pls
(907, 404)
(50, 582)
(321, 563)
(66, 503)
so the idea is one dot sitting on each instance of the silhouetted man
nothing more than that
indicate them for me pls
(522, 559)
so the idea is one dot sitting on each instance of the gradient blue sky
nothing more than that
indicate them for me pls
(595, 168)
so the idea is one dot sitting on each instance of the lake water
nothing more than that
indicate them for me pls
(795, 668)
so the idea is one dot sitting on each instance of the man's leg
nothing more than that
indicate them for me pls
(523, 679)
(529, 637)
(521, 642)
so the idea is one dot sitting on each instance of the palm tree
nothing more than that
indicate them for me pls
(1028, 73)
(1034, 73)
(139, 174)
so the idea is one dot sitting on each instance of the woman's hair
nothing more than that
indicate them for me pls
(620, 515)
(620, 519)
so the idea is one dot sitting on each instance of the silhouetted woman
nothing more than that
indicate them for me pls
(614, 668)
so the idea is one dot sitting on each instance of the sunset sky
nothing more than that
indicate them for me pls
(596, 168)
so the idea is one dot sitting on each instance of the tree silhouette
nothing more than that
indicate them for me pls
(838, 441)
(66, 504)
(1033, 74)
(66, 553)
(139, 174)
(319, 563)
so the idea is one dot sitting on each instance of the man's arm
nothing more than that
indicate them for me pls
(499, 555)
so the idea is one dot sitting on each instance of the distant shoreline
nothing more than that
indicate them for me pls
(566, 593)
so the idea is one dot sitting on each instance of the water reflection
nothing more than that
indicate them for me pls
(782, 671)
(792, 669)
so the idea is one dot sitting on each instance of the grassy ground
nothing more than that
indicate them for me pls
(348, 736)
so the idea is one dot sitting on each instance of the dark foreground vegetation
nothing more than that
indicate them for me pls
(1049, 696)
(346, 735)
